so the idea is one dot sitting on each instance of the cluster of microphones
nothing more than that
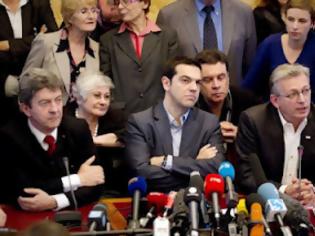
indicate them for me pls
(210, 206)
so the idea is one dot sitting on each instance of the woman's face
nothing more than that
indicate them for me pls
(298, 23)
(84, 19)
(97, 101)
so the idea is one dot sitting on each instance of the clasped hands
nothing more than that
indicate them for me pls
(303, 192)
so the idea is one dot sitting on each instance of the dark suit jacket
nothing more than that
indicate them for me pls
(26, 164)
(238, 31)
(260, 131)
(137, 82)
(148, 134)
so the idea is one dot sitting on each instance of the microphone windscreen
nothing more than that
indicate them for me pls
(196, 180)
(268, 191)
(241, 207)
(214, 183)
(157, 199)
(137, 183)
(99, 207)
(252, 198)
(226, 169)
(257, 170)
(192, 194)
(179, 205)
(256, 212)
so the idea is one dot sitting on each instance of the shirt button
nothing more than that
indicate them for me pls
(140, 69)
(141, 95)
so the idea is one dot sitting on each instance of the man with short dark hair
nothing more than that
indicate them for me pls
(166, 142)
(36, 145)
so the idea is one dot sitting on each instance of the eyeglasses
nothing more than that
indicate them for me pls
(124, 2)
(296, 94)
(85, 10)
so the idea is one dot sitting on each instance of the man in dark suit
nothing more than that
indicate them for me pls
(34, 147)
(275, 130)
(233, 24)
(166, 142)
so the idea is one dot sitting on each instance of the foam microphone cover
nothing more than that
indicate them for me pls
(268, 191)
(214, 183)
(241, 207)
(196, 180)
(137, 183)
(192, 194)
(226, 169)
(157, 199)
(256, 217)
(252, 198)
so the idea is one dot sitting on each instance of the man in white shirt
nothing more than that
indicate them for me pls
(34, 147)
(277, 131)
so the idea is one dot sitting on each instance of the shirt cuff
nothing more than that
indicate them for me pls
(283, 188)
(75, 182)
(168, 164)
(62, 201)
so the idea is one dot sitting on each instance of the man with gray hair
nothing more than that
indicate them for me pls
(36, 146)
(277, 130)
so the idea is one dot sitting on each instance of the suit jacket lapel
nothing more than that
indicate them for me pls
(191, 22)
(162, 127)
(228, 19)
(90, 61)
(124, 43)
(151, 41)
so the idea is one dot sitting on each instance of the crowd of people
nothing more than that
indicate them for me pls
(111, 95)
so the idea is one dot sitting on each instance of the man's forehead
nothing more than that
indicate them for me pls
(294, 82)
(48, 93)
(187, 70)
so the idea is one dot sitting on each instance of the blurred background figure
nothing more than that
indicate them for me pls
(20, 21)
(45, 228)
(3, 218)
(92, 93)
(295, 46)
(133, 55)
(68, 51)
(268, 18)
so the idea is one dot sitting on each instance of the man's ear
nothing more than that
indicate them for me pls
(25, 109)
(166, 83)
(274, 100)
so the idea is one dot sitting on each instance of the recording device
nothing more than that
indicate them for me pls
(192, 198)
(250, 200)
(161, 226)
(137, 188)
(97, 219)
(69, 218)
(256, 219)
(275, 208)
(242, 214)
(180, 224)
(226, 170)
(214, 187)
(156, 202)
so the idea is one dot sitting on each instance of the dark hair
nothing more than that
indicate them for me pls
(45, 228)
(270, 3)
(149, 4)
(36, 79)
(212, 57)
(301, 4)
(169, 69)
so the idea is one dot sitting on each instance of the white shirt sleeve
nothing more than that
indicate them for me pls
(75, 182)
(62, 201)
(283, 188)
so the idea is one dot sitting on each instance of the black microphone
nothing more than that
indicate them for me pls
(179, 215)
(192, 198)
(69, 218)
(137, 187)
(97, 219)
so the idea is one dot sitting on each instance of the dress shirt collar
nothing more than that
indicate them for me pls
(200, 4)
(286, 124)
(151, 27)
(173, 121)
(40, 135)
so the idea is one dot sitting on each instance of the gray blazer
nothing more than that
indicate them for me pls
(137, 82)
(238, 29)
(148, 134)
(44, 54)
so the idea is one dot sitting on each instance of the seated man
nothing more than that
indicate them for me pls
(275, 130)
(34, 147)
(168, 141)
(218, 96)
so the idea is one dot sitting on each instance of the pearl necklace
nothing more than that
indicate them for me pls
(94, 133)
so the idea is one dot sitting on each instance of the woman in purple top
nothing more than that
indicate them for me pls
(295, 46)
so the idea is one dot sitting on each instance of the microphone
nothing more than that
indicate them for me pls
(256, 217)
(275, 208)
(69, 218)
(242, 215)
(214, 186)
(300, 154)
(179, 215)
(197, 181)
(137, 187)
(256, 198)
(169, 202)
(97, 219)
(226, 170)
(156, 202)
(192, 198)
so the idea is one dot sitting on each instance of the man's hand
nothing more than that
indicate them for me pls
(4, 46)
(157, 161)
(91, 175)
(107, 140)
(229, 131)
(207, 152)
(303, 192)
(41, 200)
(3, 218)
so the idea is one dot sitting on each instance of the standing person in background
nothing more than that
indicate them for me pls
(134, 54)
(68, 51)
(295, 46)
(226, 25)
(20, 21)
(268, 18)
